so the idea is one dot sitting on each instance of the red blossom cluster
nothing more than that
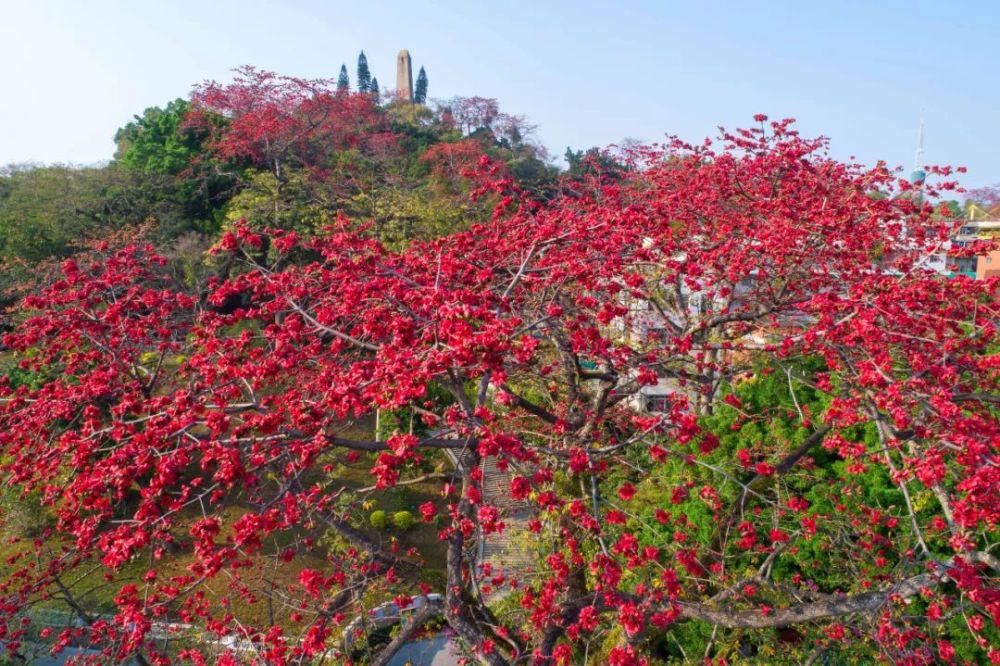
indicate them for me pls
(268, 120)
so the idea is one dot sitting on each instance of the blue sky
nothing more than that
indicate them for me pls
(588, 73)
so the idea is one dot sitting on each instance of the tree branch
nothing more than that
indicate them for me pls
(812, 611)
(381, 445)
(531, 407)
(417, 620)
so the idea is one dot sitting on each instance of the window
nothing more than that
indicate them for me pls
(657, 403)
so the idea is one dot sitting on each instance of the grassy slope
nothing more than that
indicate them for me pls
(96, 594)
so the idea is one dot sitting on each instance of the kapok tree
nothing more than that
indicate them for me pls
(277, 123)
(192, 457)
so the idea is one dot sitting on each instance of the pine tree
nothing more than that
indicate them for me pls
(374, 90)
(343, 82)
(420, 94)
(364, 75)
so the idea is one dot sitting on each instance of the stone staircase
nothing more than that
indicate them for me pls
(507, 552)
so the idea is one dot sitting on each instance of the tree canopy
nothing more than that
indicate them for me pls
(343, 81)
(820, 479)
(159, 141)
(420, 91)
(364, 74)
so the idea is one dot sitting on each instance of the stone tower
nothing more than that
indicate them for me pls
(404, 76)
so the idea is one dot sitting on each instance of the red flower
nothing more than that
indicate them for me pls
(429, 511)
(520, 487)
(312, 581)
(614, 517)
(764, 469)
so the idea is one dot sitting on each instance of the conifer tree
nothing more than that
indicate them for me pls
(364, 75)
(343, 82)
(374, 90)
(420, 94)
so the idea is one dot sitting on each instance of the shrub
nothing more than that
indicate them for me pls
(377, 519)
(404, 520)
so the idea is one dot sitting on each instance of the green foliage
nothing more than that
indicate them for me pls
(189, 262)
(45, 211)
(591, 162)
(403, 520)
(378, 519)
(343, 81)
(169, 160)
(420, 91)
(401, 214)
(834, 492)
(157, 141)
(391, 421)
(364, 74)
(406, 420)
(954, 208)
(374, 90)
(531, 172)
(293, 202)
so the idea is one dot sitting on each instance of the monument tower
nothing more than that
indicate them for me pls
(919, 175)
(404, 76)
